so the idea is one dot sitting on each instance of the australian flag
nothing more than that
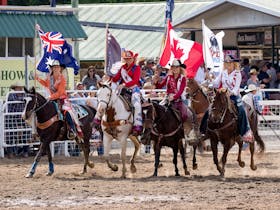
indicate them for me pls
(55, 47)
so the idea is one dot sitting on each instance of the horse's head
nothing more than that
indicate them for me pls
(219, 106)
(104, 98)
(148, 111)
(33, 101)
(192, 87)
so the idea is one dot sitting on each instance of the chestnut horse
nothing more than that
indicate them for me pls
(222, 127)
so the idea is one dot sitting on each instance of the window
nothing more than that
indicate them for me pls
(29, 47)
(2, 46)
(15, 47)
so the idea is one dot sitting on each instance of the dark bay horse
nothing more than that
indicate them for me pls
(165, 129)
(223, 127)
(49, 127)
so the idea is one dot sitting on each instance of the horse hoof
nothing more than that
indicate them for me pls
(187, 173)
(254, 168)
(133, 169)
(177, 174)
(49, 173)
(242, 164)
(91, 164)
(115, 168)
(194, 166)
(160, 165)
(29, 175)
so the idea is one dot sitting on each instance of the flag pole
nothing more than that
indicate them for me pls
(106, 49)
(34, 51)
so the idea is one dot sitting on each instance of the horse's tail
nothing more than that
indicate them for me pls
(259, 141)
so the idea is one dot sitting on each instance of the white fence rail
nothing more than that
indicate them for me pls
(14, 132)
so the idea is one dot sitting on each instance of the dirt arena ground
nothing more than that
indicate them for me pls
(101, 188)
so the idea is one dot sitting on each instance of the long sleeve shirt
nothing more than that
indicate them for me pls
(174, 86)
(56, 87)
(230, 81)
(129, 75)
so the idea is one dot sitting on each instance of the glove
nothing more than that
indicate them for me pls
(258, 112)
(97, 124)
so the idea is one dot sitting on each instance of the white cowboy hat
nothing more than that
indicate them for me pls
(16, 84)
(251, 88)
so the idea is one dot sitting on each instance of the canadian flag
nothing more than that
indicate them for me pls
(187, 51)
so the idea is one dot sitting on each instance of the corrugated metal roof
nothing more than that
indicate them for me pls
(268, 7)
(22, 25)
(146, 43)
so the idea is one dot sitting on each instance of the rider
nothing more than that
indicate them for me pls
(56, 85)
(175, 83)
(129, 76)
(230, 79)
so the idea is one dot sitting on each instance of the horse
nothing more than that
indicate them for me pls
(116, 123)
(165, 128)
(199, 101)
(222, 127)
(49, 128)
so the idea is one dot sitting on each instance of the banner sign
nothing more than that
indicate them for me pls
(250, 38)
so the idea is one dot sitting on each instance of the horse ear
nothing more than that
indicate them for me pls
(25, 89)
(149, 100)
(33, 90)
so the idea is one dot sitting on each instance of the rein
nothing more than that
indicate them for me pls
(34, 109)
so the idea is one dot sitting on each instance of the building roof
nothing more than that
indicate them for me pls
(136, 26)
(223, 14)
(20, 22)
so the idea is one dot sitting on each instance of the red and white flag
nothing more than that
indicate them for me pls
(187, 51)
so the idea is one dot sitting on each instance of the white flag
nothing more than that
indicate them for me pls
(212, 49)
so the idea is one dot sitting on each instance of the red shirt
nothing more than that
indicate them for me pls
(134, 71)
(172, 85)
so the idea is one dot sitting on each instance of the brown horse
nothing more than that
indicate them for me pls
(199, 101)
(223, 127)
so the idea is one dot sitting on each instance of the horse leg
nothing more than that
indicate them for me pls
(51, 166)
(194, 164)
(123, 157)
(175, 153)
(86, 150)
(240, 162)
(252, 151)
(183, 156)
(214, 147)
(157, 156)
(107, 146)
(136, 149)
(227, 147)
(36, 160)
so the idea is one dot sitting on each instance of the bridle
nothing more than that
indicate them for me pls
(110, 96)
(36, 106)
(221, 120)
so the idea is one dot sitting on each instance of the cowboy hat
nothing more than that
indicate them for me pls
(16, 84)
(251, 88)
(56, 63)
(128, 54)
(230, 59)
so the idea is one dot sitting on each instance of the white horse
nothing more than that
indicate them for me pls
(116, 123)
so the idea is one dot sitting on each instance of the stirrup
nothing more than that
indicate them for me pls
(71, 135)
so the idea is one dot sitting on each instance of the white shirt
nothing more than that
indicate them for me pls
(200, 75)
(230, 81)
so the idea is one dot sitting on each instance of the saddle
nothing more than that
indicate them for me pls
(125, 96)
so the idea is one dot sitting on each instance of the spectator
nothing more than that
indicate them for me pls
(91, 99)
(276, 95)
(149, 68)
(264, 78)
(245, 72)
(16, 104)
(79, 94)
(91, 79)
(253, 78)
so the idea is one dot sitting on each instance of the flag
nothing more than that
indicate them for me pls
(212, 49)
(113, 55)
(55, 47)
(169, 9)
(187, 51)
